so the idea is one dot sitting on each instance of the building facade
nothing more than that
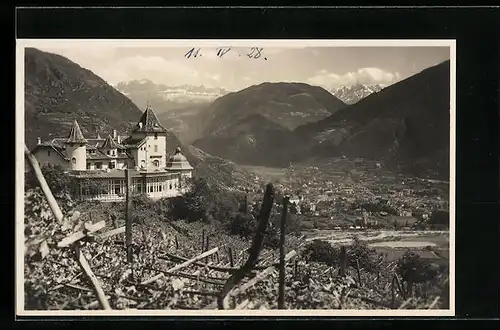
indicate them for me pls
(144, 153)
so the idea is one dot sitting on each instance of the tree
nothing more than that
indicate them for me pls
(321, 251)
(59, 182)
(413, 269)
(360, 251)
(62, 186)
(242, 224)
(205, 202)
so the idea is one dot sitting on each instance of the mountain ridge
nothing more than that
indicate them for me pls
(57, 91)
(409, 121)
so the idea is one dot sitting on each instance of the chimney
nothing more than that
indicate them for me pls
(39, 140)
(119, 139)
(114, 134)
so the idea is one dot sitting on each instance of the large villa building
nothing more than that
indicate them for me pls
(144, 153)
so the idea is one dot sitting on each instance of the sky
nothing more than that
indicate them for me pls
(328, 67)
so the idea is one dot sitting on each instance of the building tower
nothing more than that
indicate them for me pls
(76, 150)
(153, 152)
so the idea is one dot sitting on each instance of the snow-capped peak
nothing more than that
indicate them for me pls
(354, 93)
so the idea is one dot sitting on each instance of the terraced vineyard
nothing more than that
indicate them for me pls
(72, 262)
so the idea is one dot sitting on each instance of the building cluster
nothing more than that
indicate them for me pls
(143, 153)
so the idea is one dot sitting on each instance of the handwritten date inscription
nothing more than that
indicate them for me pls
(252, 53)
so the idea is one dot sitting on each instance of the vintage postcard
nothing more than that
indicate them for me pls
(235, 177)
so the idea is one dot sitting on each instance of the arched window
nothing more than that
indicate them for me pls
(156, 163)
(73, 160)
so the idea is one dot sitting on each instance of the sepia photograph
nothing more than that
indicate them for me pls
(235, 177)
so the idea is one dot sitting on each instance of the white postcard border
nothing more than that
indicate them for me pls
(21, 44)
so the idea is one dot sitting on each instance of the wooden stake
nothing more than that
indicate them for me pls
(281, 296)
(101, 296)
(203, 241)
(254, 251)
(230, 253)
(113, 232)
(434, 302)
(54, 207)
(128, 216)
(359, 273)
(184, 264)
(68, 240)
(343, 261)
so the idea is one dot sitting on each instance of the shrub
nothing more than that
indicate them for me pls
(242, 224)
(413, 269)
(143, 209)
(367, 257)
(57, 180)
(204, 202)
(271, 237)
(293, 223)
(321, 251)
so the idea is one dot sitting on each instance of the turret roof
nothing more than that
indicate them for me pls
(109, 143)
(75, 134)
(178, 161)
(149, 123)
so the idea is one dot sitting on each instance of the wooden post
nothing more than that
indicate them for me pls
(128, 217)
(101, 296)
(54, 207)
(281, 296)
(203, 241)
(176, 243)
(230, 253)
(359, 273)
(245, 207)
(343, 261)
(393, 293)
(254, 251)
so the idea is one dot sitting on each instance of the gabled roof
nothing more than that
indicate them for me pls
(109, 143)
(99, 154)
(131, 142)
(75, 134)
(54, 145)
(149, 123)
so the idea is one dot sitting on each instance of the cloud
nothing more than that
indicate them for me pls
(155, 68)
(363, 76)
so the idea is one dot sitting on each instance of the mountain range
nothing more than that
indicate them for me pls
(57, 91)
(159, 96)
(255, 125)
(406, 124)
(177, 107)
(355, 93)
